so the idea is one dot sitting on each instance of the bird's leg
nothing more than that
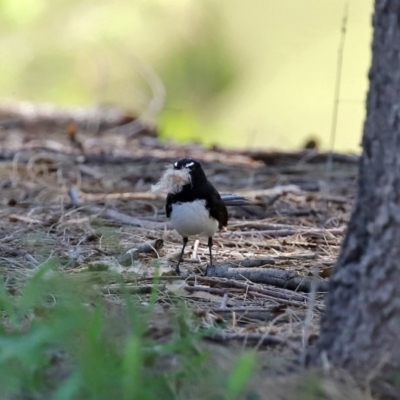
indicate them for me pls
(177, 270)
(210, 244)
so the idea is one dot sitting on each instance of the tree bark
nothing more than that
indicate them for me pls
(360, 330)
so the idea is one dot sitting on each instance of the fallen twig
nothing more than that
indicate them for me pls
(133, 289)
(195, 248)
(273, 158)
(224, 301)
(246, 310)
(260, 339)
(262, 225)
(294, 298)
(6, 251)
(150, 247)
(21, 218)
(124, 218)
(279, 295)
(275, 277)
(219, 292)
(288, 232)
(126, 195)
(251, 263)
(274, 191)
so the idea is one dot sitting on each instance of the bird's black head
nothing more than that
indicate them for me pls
(194, 168)
(188, 163)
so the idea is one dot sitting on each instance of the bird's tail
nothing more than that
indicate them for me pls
(234, 200)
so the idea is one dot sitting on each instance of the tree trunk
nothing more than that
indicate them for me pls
(360, 330)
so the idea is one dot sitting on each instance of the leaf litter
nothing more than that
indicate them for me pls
(85, 199)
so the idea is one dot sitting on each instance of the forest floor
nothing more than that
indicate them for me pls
(76, 188)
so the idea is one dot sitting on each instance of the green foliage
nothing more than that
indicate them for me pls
(108, 238)
(58, 341)
(197, 74)
(75, 52)
(200, 70)
(312, 388)
(240, 375)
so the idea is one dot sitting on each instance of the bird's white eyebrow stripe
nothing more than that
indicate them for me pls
(189, 164)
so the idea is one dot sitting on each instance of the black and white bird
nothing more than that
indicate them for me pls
(196, 208)
(193, 205)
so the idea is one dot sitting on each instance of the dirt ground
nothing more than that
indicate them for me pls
(76, 187)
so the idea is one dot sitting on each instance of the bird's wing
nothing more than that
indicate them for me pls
(216, 206)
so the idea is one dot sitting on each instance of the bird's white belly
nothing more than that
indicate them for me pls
(192, 218)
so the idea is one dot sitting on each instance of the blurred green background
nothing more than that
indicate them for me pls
(250, 74)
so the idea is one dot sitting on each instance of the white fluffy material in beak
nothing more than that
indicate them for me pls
(172, 180)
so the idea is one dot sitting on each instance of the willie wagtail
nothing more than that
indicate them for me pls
(193, 204)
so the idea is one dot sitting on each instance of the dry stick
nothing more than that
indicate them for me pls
(310, 256)
(195, 248)
(90, 171)
(73, 194)
(21, 218)
(143, 289)
(124, 218)
(224, 301)
(175, 256)
(281, 296)
(287, 232)
(271, 157)
(113, 214)
(278, 293)
(237, 313)
(249, 337)
(150, 247)
(275, 277)
(10, 252)
(158, 278)
(274, 191)
(334, 199)
(122, 195)
(288, 302)
(262, 225)
(292, 297)
(12, 236)
(250, 263)
(253, 294)
(219, 292)
(245, 310)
